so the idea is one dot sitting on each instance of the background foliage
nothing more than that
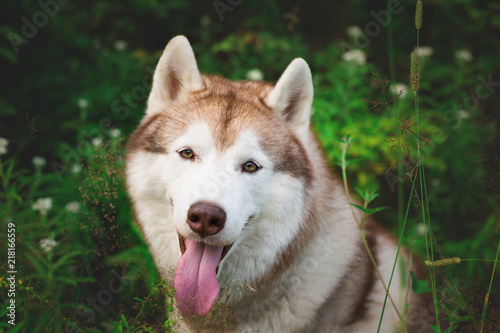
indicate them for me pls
(74, 88)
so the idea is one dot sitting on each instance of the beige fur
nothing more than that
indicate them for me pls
(297, 263)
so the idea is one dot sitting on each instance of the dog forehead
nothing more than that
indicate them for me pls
(228, 109)
(247, 129)
(201, 135)
(228, 114)
(228, 131)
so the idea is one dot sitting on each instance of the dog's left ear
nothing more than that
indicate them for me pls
(176, 74)
(292, 97)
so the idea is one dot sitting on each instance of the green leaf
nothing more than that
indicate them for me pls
(369, 211)
(367, 196)
(361, 193)
(414, 282)
(118, 328)
(372, 196)
(375, 210)
(363, 209)
(124, 321)
(423, 287)
(349, 162)
(419, 286)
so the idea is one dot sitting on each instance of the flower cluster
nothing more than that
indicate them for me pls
(73, 206)
(47, 244)
(39, 161)
(414, 73)
(82, 103)
(255, 74)
(464, 55)
(115, 132)
(354, 31)
(418, 15)
(398, 88)
(97, 141)
(43, 205)
(355, 56)
(424, 51)
(76, 168)
(3, 146)
(120, 45)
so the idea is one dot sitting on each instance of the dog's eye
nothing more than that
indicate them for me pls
(250, 166)
(187, 154)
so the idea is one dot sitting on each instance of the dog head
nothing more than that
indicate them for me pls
(220, 166)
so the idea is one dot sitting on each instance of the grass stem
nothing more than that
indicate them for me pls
(486, 298)
(365, 243)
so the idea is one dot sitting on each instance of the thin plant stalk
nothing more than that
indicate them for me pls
(486, 298)
(397, 255)
(450, 277)
(424, 198)
(360, 226)
(162, 283)
(83, 268)
(392, 75)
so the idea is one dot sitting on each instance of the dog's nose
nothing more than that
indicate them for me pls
(205, 218)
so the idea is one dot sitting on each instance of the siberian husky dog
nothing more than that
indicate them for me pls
(244, 217)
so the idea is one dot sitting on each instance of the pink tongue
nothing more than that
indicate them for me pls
(195, 279)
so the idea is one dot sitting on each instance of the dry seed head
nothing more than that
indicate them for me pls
(418, 15)
(443, 262)
(414, 73)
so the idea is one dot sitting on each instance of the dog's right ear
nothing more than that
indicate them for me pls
(176, 74)
(292, 97)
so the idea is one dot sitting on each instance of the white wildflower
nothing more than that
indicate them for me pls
(422, 229)
(96, 141)
(39, 161)
(463, 114)
(47, 244)
(3, 146)
(464, 55)
(82, 103)
(424, 51)
(115, 132)
(354, 31)
(76, 168)
(120, 45)
(356, 56)
(43, 205)
(255, 74)
(73, 206)
(396, 88)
